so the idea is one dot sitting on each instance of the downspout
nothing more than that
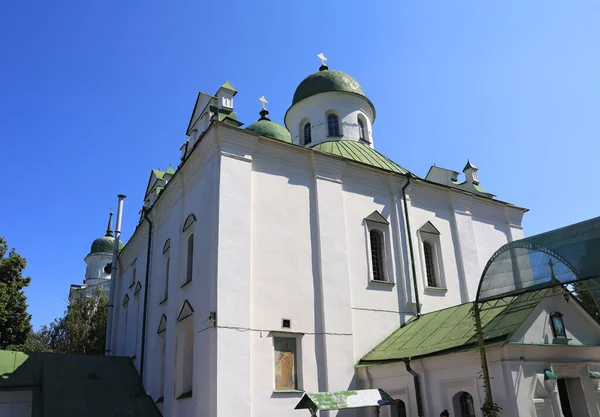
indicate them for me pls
(410, 245)
(145, 313)
(417, 386)
(113, 280)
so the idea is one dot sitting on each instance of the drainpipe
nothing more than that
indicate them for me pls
(145, 313)
(410, 245)
(417, 386)
(113, 280)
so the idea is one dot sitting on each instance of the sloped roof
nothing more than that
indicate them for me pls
(343, 400)
(453, 329)
(357, 152)
(77, 385)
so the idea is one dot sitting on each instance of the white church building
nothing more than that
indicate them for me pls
(277, 260)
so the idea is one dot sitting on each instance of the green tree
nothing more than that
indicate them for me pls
(15, 322)
(83, 327)
(585, 297)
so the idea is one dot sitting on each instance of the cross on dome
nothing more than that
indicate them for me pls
(322, 58)
(264, 101)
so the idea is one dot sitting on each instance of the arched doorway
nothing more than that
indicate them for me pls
(463, 404)
(398, 409)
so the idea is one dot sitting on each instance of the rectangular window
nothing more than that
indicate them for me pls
(286, 377)
(166, 292)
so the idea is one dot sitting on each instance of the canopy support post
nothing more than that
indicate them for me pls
(484, 366)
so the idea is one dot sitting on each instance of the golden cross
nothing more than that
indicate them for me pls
(322, 58)
(264, 101)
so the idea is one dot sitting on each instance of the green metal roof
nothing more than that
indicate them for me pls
(453, 329)
(265, 127)
(358, 152)
(77, 385)
(228, 86)
(343, 400)
(327, 81)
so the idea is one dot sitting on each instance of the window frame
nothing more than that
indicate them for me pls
(188, 261)
(331, 134)
(306, 141)
(428, 233)
(376, 222)
(297, 360)
(363, 128)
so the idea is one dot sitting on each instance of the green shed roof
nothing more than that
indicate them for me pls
(77, 385)
(453, 329)
(358, 152)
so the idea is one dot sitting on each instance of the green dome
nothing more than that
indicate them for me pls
(265, 127)
(105, 244)
(325, 81)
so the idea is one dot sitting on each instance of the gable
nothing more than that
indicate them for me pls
(429, 228)
(580, 327)
(202, 102)
(186, 311)
(376, 217)
(162, 325)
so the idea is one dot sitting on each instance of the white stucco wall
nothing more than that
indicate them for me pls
(315, 109)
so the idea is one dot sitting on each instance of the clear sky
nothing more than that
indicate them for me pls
(94, 94)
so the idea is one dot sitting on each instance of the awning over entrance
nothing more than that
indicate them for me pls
(569, 255)
(342, 400)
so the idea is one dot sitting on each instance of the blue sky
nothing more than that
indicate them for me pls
(95, 94)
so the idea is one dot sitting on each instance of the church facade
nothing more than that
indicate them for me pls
(275, 259)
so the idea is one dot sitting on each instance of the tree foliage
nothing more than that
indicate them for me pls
(15, 322)
(586, 299)
(81, 330)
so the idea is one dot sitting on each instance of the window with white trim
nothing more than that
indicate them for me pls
(333, 125)
(377, 254)
(430, 250)
(188, 234)
(307, 133)
(377, 236)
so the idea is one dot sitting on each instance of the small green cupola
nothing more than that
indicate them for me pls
(265, 127)
(106, 243)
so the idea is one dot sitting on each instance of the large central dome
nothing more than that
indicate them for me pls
(325, 81)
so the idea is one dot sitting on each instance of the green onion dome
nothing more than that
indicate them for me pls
(326, 80)
(105, 244)
(265, 127)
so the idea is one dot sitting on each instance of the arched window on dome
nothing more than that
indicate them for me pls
(361, 130)
(307, 133)
(333, 125)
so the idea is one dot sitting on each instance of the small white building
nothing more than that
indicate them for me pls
(274, 259)
(97, 271)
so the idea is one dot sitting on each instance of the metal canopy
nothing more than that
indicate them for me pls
(342, 400)
(570, 255)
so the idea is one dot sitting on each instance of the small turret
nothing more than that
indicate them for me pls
(470, 172)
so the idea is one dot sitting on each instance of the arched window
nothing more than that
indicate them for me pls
(307, 134)
(429, 264)
(467, 409)
(376, 238)
(190, 259)
(558, 326)
(333, 125)
(361, 129)
(166, 291)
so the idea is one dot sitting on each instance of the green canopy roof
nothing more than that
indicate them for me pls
(453, 329)
(358, 152)
(343, 400)
(569, 255)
